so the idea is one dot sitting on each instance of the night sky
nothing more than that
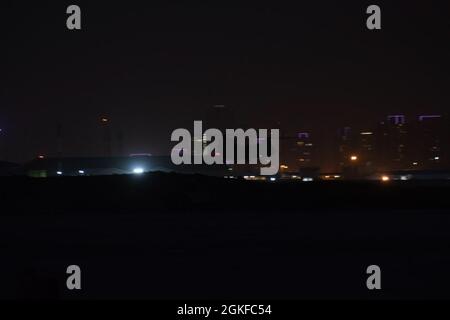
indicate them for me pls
(153, 67)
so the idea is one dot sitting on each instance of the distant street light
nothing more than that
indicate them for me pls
(104, 120)
(354, 158)
(138, 170)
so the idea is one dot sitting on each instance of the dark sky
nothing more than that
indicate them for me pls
(153, 67)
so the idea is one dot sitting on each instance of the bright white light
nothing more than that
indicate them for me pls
(436, 158)
(273, 179)
(81, 171)
(138, 171)
(59, 173)
(307, 179)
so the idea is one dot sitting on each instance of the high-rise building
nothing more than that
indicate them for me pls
(296, 151)
(392, 143)
(220, 117)
(428, 141)
(356, 152)
(367, 151)
(305, 149)
(366, 144)
(347, 146)
(107, 139)
(397, 119)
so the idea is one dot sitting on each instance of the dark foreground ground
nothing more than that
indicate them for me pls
(189, 237)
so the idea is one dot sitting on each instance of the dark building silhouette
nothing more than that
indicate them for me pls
(392, 143)
(346, 146)
(220, 117)
(106, 136)
(297, 151)
(428, 141)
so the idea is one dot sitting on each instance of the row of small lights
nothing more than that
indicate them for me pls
(60, 173)
(384, 178)
(305, 179)
(137, 170)
(82, 172)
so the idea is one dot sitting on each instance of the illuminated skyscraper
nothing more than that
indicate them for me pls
(397, 119)
(305, 149)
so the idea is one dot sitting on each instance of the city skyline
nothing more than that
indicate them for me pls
(396, 142)
(277, 71)
(155, 67)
